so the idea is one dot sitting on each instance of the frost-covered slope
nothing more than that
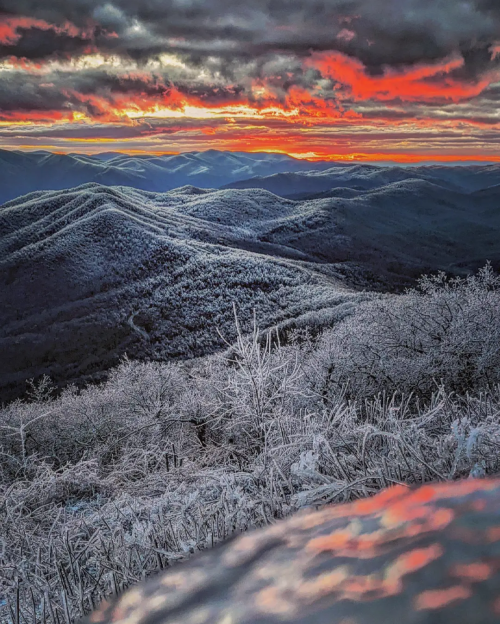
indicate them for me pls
(94, 272)
(301, 185)
(89, 274)
(22, 172)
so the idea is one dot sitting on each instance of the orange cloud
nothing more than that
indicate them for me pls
(422, 83)
(312, 122)
(10, 26)
(35, 117)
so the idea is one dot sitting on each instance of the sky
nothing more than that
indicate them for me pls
(368, 80)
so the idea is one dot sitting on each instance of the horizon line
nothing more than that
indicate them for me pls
(359, 157)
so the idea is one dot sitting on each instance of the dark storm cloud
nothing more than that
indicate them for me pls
(377, 32)
(37, 44)
(58, 92)
(382, 62)
(96, 92)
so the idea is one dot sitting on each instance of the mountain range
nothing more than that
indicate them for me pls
(304, 184)
(91, 273)
(23, 172)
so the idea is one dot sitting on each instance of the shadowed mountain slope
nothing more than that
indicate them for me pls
(301, 185)
(94, 272)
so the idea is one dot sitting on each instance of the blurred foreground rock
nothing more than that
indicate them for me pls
(428, 555)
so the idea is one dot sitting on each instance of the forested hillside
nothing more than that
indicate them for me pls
(92, 273)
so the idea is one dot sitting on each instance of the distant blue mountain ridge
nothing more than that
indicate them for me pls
(25, 172)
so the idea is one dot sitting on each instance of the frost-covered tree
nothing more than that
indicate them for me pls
(445, 331)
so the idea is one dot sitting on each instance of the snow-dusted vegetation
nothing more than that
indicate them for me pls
(115, 270)
(105, 485)
(112, 271)
(212, 426)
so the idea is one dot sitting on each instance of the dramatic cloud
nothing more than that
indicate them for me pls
(324, 76)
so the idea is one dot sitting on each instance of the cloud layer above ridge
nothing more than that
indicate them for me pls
(368, 79)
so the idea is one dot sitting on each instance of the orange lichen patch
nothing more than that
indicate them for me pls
(472, 571)
(411, 504)
(96, 616)
(456, 489)
(408, 563)
(362, 547)
(119, 612)
(424, 494)
(398, 504)
(345, 586)
(432, 520)
(245, 543)
(478, 505)
(493, 534)
(496, 606)
(404, 512)
(177, 581)
(439, 598)
(363, 507)
(335, 541)
(129, 600)
(387, 582)
(363, 588)
(324, 584)
(349, 543)
(270, 600)
(417, 559)
(378, 503)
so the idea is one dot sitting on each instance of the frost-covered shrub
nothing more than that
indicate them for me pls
(446, 331)
(103, 486)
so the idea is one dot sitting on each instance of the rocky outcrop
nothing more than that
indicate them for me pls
(428, 555)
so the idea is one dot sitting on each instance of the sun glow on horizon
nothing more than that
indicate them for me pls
(390, 158)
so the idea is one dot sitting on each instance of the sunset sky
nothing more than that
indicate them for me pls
(403, 80)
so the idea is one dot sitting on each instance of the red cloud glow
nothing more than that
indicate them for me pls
(326, 106)
(424, 83)
(10, 27)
